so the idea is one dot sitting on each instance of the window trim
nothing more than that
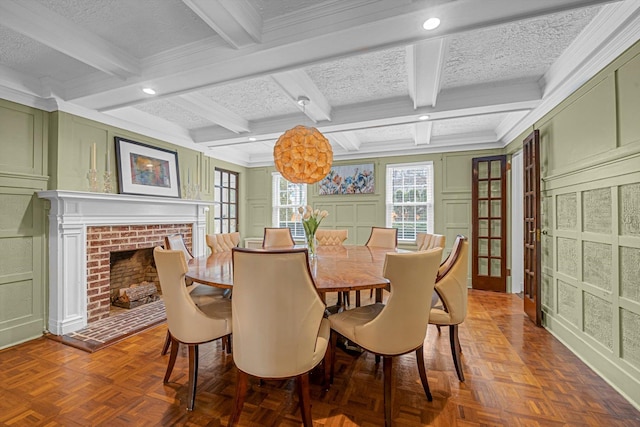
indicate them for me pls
(218, 189)
(296, 232)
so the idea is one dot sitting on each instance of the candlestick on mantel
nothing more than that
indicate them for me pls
(93, 156)
(108, 166)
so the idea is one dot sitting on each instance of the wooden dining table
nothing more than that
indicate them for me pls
(334, 269)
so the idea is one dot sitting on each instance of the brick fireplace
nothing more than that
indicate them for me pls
(85, 227)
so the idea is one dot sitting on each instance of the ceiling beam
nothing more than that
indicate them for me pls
(236, 21)
(282, 50)
(296, 83)
(424, 68)
(32, 19)
(347, 140)
(422, 132)
(205, 107)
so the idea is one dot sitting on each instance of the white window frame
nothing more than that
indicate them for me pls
(404, 227)
(294, 223)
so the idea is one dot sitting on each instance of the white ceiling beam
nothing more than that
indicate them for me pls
(212, 111)
(461, 102)
(422, 132)
(296, 83)
(236, 21)
(347, 140)
(424, 67)
(32, 19)
(293, 47)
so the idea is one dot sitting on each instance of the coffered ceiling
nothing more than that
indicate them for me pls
(228, 73)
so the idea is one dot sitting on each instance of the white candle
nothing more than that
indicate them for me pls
(93, 156)
(108, 168)
(189, 176)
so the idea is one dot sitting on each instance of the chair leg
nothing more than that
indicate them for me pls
(193, 375)
(386, 368)
(241, 391)
(347, 299)
(423, 373)
(333, 344)
(357, 298)
(455, 350)
(327, 367)
(438, 328)
(305, 399)
(172, 359)
(226, 343)
(167, 342)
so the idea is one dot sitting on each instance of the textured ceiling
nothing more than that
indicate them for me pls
(228, 73)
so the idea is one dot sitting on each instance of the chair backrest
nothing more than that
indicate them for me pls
(175, 242)
(222, 242)
(277, 238)
(331, 237)
(383, 237)
(455, 251)
(276, 312)
(186, 322)
(401, 326)
(452, 285)
(426, 241)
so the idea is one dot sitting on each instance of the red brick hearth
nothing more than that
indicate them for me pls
(102, 240)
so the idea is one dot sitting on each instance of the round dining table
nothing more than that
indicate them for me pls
(334, 269)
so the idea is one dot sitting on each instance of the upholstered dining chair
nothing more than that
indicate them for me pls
(222, 242)
(188, 323)
(278, 325)
(199, 293)
(277, 238)
(426, 241)
(400, 326)
(451, 287)
(383, 238)
(334, 238)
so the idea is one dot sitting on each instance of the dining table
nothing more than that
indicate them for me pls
(334, 269)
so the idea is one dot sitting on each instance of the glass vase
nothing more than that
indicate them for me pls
(312, 243)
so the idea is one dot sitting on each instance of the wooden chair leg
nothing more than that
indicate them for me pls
(241, 391)
(357, 298)
(193, 375)
(347, 299)
(386, 367)
(333, 344)
(377, 358)
(172, 359)
(438, 328)
(327, 367)
(167, 342)
(423, 373)
(305, 399)
(455, 350)
(226, 343)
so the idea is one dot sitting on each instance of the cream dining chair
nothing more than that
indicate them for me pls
(451, 287)
(426, 241)
(188, 323)
(199, 293)
(400, 326)
(277, 238)
(278, 325)
(382, 238)
(334, 238)
(222, 242)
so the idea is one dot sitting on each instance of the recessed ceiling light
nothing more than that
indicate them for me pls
(431, 24)
(148, 91)
(423, 118)
(252, 138)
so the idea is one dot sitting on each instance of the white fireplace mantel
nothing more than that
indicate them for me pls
(70, 214)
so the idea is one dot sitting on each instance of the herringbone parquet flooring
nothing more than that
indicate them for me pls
(516, 375)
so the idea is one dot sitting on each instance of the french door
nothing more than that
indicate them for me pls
(489, 213)
(531, 170)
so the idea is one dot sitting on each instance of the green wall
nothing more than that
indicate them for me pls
(23, 268)
(590, 167)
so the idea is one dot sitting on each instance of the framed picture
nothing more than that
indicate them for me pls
(147, 170)
(350, 179)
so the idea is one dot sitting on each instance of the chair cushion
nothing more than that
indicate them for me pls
(204, 294)
(218, 309)
(345, 322)
(438, 316)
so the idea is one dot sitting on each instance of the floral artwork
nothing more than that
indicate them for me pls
(351, 179)
(147, 170)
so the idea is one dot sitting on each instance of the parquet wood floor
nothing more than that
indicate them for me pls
(45, 383)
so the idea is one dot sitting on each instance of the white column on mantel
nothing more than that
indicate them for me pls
(72, 212)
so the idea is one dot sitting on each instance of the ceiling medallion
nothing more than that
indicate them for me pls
(303, 155)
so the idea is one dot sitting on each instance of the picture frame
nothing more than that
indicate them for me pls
(348, 179)
(146, 170)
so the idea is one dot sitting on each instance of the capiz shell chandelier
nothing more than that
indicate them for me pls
(303, 155)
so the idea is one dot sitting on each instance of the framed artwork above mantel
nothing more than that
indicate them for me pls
(146, 170)
(348, 179)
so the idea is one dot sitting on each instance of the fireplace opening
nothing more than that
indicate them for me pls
(133, 278)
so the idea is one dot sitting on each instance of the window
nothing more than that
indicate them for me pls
(409, 199)
(225, 210)
(287, 198)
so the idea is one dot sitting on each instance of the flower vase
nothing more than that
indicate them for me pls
(312, 243)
